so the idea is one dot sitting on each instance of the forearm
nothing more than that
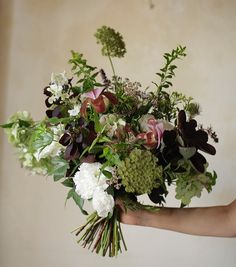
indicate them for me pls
(207, 221)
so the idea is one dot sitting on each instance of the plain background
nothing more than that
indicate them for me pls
(36, 37)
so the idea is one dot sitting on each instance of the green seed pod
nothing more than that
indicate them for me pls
(140, 172)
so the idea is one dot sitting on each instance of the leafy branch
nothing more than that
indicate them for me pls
(168, 71)
(86, 74)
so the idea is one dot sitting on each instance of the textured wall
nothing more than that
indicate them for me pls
(36, 37)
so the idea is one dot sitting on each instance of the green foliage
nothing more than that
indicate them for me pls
(111, 157)
(77, 199)
(190, 183)
(168, 71)
(59, 168)
(85, 73)
(170, 103)
(41, 137)
(111, 41)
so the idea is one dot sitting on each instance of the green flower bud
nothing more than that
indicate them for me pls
(140, 172)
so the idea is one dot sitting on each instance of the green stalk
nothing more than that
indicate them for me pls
(112, 66)
(122, 237)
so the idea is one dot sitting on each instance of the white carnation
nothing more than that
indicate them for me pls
(88, 178)
(102, 202)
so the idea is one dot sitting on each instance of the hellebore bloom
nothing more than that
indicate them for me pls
(99, 100)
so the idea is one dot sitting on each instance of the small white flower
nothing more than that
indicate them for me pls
(56, 86)
(56, 92)
(58, 130)
(88, 178)
(59, 79)
(102, 202)
(75, 111)
(27, 161)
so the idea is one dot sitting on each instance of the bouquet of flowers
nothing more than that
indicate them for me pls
(108, 139)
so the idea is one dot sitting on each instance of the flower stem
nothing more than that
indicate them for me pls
(112, 66)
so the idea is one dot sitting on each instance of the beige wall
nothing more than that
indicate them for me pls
(36, 37)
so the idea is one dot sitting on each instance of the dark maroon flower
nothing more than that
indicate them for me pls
(78, 135)
(194, 138)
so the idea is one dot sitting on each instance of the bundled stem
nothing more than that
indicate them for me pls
(102, 234)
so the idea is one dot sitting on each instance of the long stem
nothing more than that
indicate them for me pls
(112, 66)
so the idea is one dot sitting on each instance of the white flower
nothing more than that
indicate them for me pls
(56, 91)
(75, 111)
(58, 130)
(52, 150)
(59, 79)
(88, 178)
(144, 126)
(28, 160)
(102, 202)
(167, 125)
(56, 86)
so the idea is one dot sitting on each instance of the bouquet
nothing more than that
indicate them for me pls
(107, 139)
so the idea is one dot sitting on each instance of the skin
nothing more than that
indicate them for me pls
(217, 221)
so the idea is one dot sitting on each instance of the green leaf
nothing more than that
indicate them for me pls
(59, 168)
(107, 174)
(7, 125)
(55, 120)
(70, 194)
(41, 140)
(79, 201)
(68, 183)
(98, 126)
(23, 123)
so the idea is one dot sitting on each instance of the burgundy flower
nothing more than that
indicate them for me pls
(99, 100)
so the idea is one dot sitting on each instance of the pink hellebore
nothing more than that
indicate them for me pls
(154, 135)
(98, 99)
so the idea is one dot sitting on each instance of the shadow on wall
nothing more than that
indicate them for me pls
(5, 35)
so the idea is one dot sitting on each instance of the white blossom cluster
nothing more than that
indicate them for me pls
(58, 81)
(91, 184)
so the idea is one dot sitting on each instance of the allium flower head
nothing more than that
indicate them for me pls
(111, 41)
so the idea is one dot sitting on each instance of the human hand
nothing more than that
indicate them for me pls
(128, 216)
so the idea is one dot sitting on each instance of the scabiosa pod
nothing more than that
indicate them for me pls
(140, 172)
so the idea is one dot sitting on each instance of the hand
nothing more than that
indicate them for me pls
(128, 216)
